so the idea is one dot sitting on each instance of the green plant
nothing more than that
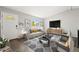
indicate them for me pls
(3, 42)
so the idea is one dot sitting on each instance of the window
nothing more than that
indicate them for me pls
(37, 23)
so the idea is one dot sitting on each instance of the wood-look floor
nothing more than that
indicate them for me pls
(18, 46)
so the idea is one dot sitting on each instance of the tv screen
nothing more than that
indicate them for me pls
(54, 24)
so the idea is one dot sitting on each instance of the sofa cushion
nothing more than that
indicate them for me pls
(63, 39)
(55, 38)
(36, 34)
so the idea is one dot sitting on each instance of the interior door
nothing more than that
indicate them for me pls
(9, 25)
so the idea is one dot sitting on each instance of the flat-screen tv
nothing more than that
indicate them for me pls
(54, 24)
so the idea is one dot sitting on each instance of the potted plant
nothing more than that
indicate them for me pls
(3, 42)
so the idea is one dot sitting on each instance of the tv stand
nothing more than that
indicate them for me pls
(54, 31)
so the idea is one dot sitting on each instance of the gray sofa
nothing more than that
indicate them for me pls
(35, 34)
(65, 44)
(60, 42)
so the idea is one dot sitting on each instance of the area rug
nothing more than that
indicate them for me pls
(36, 46)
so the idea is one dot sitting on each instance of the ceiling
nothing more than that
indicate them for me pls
(41, 11)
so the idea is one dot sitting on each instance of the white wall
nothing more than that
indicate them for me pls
(69, 21)
(0, 25)
(21, 17)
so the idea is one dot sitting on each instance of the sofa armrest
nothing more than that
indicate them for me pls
(63, 46)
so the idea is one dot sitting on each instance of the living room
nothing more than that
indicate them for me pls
(39, 28)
